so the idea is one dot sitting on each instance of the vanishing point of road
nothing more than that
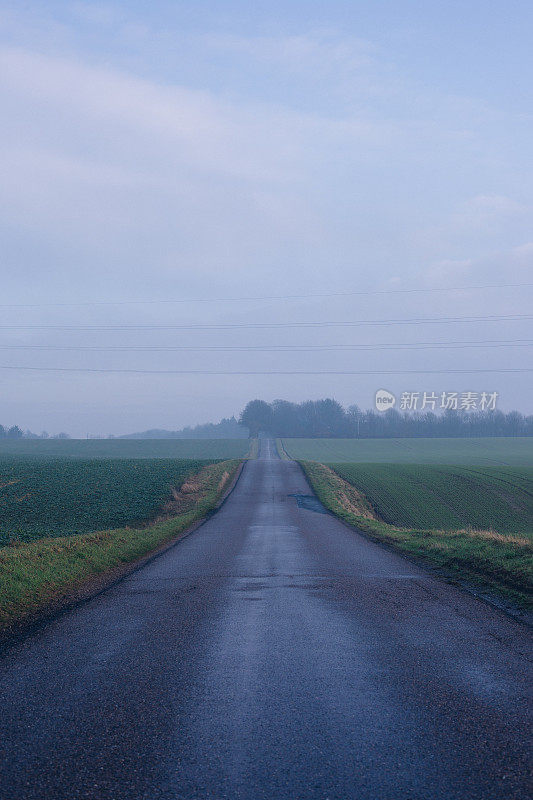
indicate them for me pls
(271, 654)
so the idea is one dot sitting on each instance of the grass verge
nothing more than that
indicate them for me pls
(253, 452)
(35, 576)
(282, 453)
(494, 563)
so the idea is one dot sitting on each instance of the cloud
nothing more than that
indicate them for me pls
(318, 67)
(301, 52)
(88, 147)
(108, 158)
(524, 253)
(476, 227)
(514, 265)
(488, 207)
(80, 107)
(101, 158)
(96, 13)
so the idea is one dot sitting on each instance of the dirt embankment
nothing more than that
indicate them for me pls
(192, 492)
(346, 495)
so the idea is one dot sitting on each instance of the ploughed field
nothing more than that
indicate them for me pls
(490, 451)
(211, 449)
(446, 497)
(50, 497)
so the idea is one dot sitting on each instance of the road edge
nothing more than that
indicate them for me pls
(521, 617)
(96, 585)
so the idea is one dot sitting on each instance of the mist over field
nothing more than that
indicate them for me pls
(266, 407)
(193, 193)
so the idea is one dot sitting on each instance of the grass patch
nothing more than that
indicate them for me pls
(208, 449)
(499, 563)
(487, 451)
(254, 448)
(34, 575)
(281, 450)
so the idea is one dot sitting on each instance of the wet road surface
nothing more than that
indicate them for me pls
(273, 653)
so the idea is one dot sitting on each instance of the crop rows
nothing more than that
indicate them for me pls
(447, 497)
(56, 497)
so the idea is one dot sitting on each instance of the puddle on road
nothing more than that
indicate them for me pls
(310, 503)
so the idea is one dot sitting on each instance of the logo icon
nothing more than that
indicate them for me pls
(384, 400)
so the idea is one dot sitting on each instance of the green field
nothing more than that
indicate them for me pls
(43, 497)
(446, 497)
(490, 451)
(42, 575)
(127, 448)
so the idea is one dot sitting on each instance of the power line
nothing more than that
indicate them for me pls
(270, 297)
(272, 348)
(274, 325)
(276, 372)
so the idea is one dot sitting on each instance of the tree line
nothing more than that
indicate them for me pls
(327, 418)
(11, 433)
(14, 432)
(225, 429)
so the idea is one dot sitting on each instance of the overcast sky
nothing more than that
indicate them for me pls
(200, 150)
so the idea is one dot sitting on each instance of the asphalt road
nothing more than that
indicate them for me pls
(273, 653)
